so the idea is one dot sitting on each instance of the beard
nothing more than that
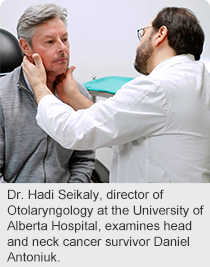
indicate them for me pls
(143, 53)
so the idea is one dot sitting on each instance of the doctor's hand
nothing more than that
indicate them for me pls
(66, 86)
(36, 76)
(68, 92)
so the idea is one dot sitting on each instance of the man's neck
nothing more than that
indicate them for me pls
(51, 83)
(160, 56)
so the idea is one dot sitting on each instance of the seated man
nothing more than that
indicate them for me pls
(27, 153)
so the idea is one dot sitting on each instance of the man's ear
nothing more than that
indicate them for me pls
(26, 48)
(161, 35)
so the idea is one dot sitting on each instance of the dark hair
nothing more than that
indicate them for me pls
(185, 34)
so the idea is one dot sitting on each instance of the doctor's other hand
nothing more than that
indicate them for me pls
(66, 86)
(68, 92)
(36, 75)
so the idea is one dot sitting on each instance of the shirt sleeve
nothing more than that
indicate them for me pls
(131, 114)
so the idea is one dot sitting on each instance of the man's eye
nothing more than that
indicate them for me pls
(49, 42)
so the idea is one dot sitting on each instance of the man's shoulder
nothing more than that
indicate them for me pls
(9, 80)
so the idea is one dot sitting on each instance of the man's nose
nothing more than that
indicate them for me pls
(61, 46)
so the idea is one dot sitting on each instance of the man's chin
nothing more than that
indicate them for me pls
(63, 71)
(58, 72)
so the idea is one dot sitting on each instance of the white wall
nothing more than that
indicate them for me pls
(103, 33)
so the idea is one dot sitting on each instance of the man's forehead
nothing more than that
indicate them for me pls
(53, 35)
(51, 28)
(52, 24)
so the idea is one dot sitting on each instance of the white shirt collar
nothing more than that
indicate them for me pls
(173, 60)
(28, 84)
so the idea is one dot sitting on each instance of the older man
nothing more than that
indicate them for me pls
(159, 123)
(27, 153)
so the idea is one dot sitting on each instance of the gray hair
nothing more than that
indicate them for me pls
(36, 15)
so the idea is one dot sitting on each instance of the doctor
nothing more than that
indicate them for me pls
(158, 124)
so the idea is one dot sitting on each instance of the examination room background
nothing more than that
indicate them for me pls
(103, 36)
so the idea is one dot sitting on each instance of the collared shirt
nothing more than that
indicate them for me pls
(27, 83)
(158, 125)
(30, 88)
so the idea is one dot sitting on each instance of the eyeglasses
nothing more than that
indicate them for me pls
(141, 32)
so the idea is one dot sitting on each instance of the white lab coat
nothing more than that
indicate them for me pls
(158, 125)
